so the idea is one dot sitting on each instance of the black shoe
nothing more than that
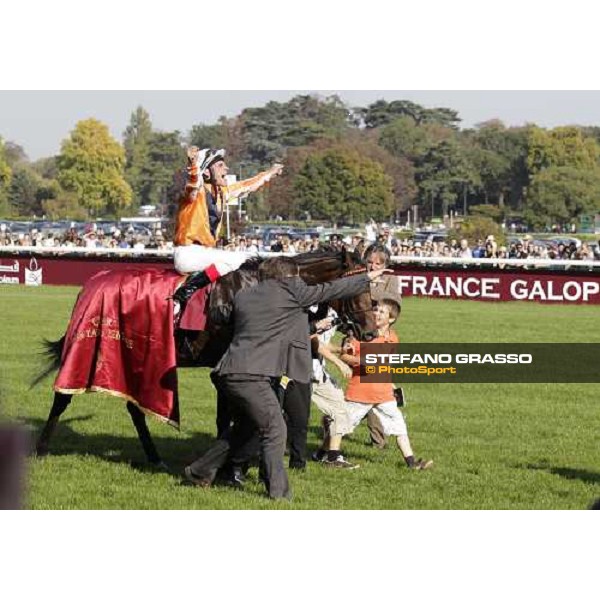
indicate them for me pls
(319, 455)
(231, 477)
(191, 285)
(233, 481)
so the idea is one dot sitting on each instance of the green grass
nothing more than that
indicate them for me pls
(494, 446)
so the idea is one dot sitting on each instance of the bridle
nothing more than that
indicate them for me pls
(347, 322)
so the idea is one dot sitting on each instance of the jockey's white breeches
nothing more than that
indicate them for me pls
(188, 259)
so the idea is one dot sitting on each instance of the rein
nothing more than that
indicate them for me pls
(356, 271)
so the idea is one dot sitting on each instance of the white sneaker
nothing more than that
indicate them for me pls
(340, 463)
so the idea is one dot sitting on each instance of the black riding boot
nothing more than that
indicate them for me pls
(192, 284)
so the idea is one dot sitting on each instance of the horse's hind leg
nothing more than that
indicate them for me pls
(61, 401)
(139, 422)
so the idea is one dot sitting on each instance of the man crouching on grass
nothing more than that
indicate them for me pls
(362, 397)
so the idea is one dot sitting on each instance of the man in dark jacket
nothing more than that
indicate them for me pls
(270, 340)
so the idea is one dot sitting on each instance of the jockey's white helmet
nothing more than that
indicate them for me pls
(208, 156)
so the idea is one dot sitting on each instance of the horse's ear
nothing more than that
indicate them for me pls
(344, 257)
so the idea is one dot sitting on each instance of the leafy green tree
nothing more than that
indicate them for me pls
(63, 205)
(562, 194)
(23, 191)
(561, 147)
(91, 165)
(46, 167)
(382, 113)
(14, 154)
(344, 187)
(136, 140)
(443, 174)
(478, 227)
(490, 211)
(165, 156)
(5, 179)
(270, 130)
(404, 138)
(210, 136)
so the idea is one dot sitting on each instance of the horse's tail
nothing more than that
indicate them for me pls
(51, 354)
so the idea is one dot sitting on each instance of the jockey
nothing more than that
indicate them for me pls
(199, 219)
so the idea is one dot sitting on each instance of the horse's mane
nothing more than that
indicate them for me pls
(221, 297)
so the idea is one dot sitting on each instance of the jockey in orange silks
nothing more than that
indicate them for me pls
(199, 219)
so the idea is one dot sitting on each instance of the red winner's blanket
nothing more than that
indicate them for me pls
(120, 341)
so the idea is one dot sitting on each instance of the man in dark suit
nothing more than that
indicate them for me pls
(270, 340)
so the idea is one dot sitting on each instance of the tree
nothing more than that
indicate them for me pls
(344, 187)
(165, 156)
(561, 147)
(136, 139)
(5, 178)
(14, 154)
(499, 154)
(444, 173)
(63, 205)
(404, 138)
(46, 167)
(91, 165)
(562, 194)
(23, 191)
(270, 130)
(382, 113)
(210, 136)
(478, 227)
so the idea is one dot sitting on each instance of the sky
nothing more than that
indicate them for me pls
(40, 120)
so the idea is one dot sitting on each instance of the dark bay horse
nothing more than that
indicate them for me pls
(314, 267)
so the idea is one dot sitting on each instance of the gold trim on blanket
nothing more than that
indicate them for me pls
(121, 395)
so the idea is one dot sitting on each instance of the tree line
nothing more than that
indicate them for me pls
(343, 164)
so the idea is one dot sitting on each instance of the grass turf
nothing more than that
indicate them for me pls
(494, 446)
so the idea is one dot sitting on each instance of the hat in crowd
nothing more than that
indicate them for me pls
(417, 244)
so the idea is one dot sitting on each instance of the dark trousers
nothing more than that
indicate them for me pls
(254, 406)
(296, 406)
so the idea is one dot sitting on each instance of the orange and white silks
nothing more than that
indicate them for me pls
(199, 222)
(194, 218)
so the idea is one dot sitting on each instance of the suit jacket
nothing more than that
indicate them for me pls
(386, 288)
(271, 326)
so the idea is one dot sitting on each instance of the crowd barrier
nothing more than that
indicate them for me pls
(568, 282)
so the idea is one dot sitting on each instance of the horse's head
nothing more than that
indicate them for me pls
(356, 314)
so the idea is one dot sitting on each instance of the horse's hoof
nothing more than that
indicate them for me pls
(40, 451)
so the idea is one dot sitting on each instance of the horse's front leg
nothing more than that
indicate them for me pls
(139, 422)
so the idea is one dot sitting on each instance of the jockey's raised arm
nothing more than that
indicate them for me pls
(199, 219)
(239, 188)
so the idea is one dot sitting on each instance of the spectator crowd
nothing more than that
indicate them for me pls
(430, 246)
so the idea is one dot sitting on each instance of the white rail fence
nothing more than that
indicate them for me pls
(433, 261)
